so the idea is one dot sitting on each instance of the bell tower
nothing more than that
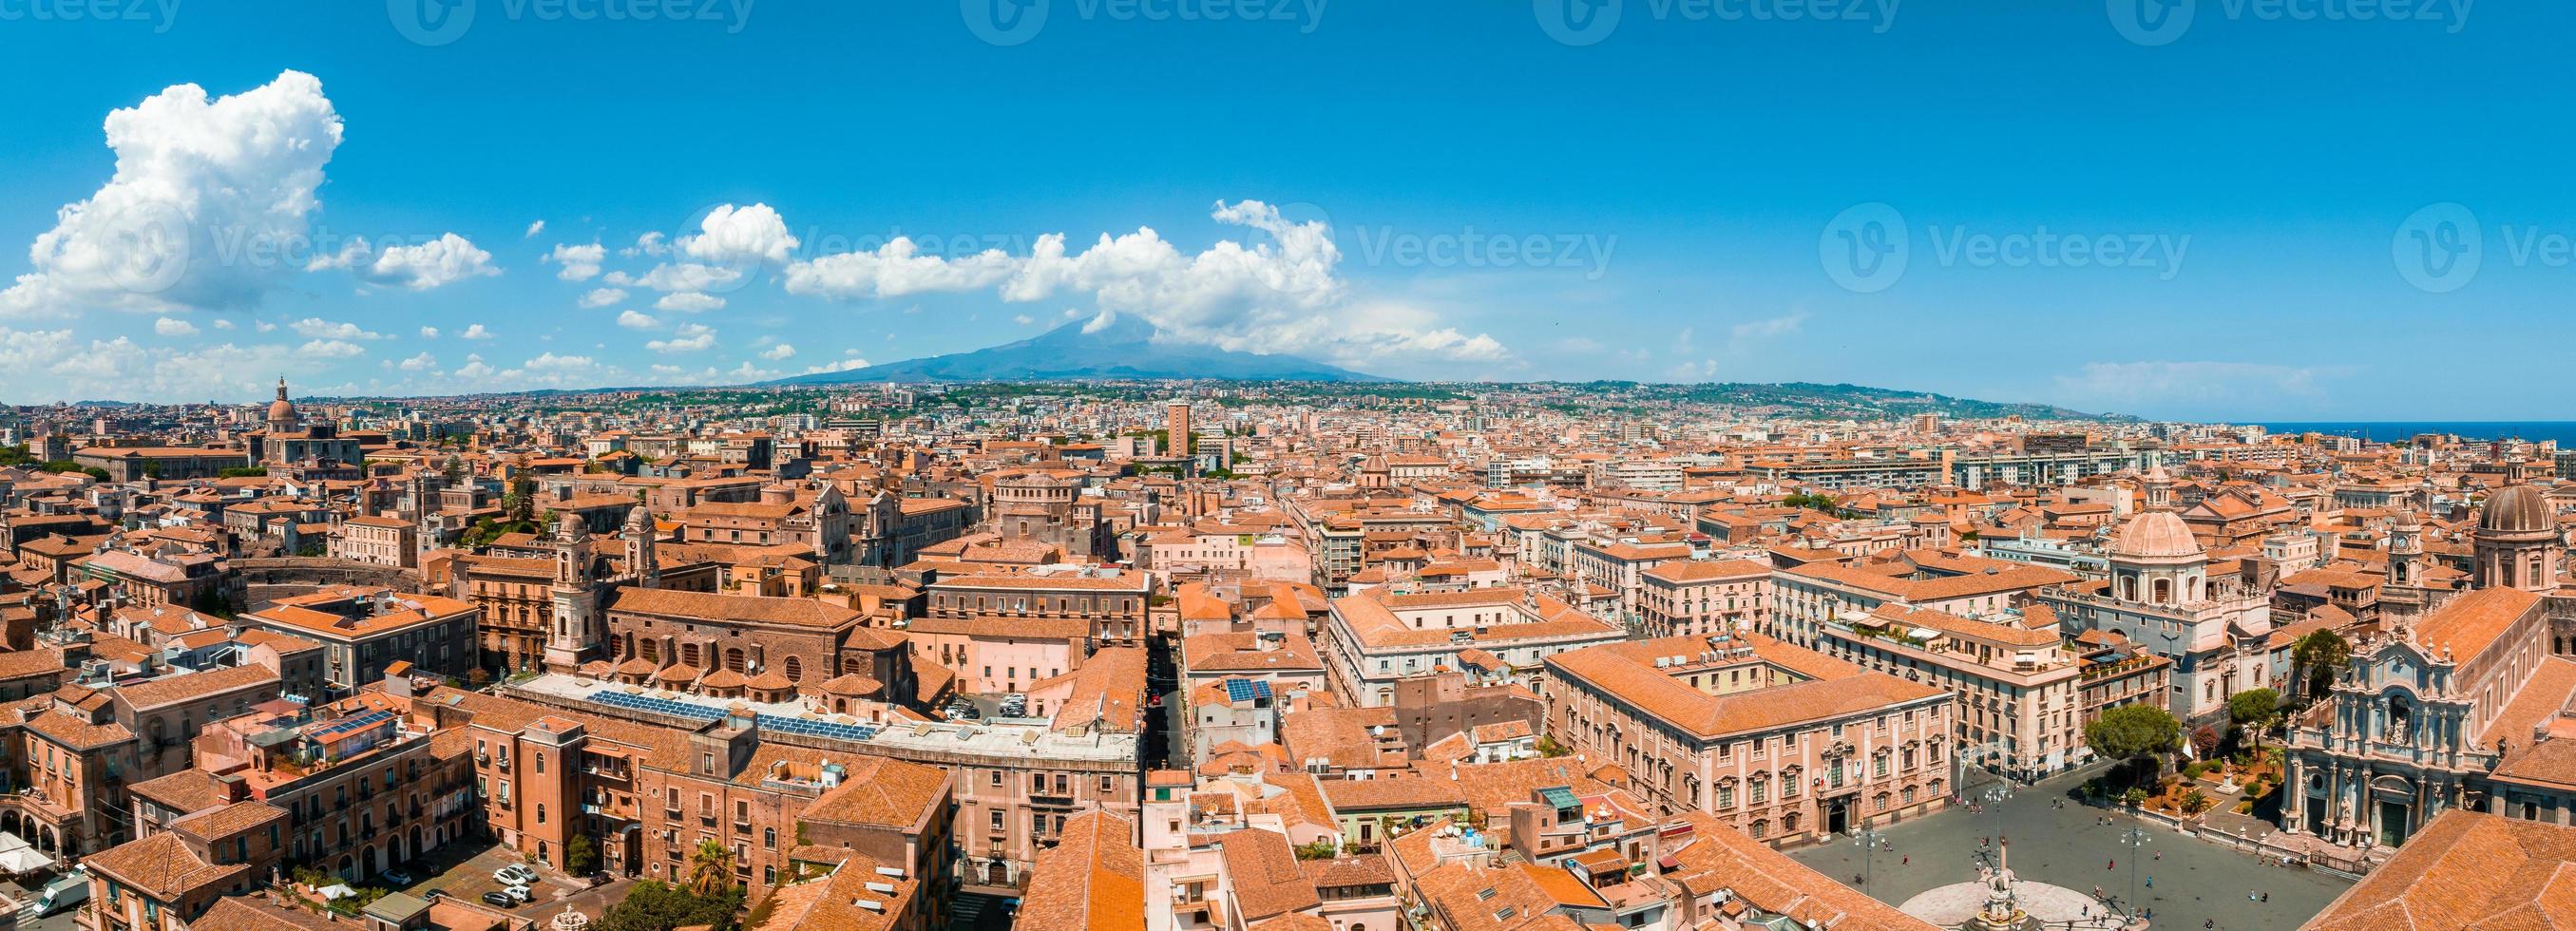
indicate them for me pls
(572, 636)
(638, 538)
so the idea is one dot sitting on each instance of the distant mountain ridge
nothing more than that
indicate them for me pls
(1124, 348)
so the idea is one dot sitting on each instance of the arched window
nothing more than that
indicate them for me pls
(688, 654)
(795, 670)
(2164, 591)
(733, 659)
(652, 651)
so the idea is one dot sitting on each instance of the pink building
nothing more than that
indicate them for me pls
(1781, 742)
(993, 655)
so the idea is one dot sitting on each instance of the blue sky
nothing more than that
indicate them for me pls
(2259, 212)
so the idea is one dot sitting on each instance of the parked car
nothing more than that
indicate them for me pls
(518, 892)
(515, 874)
(499, 900)
(398, 878)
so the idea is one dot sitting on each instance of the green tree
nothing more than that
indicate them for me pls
(656, 906)
(581, 857)
(520, 505)
(2254, 710)
(1548, 747)
(2134, 732)
(711, 869)
(2314, 661)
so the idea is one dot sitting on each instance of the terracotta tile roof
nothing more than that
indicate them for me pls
(1093, 879)
(218, 823)
(708, 606)
(161, 866)
(1108, 693)
(77, 734)
(1717, 857)
(2466, 870)
(1264, 873)
(883, 792)
(1402, 793)
(1833, 688)
(2467, 624)
(2545, 692)
(1240, 652)
(257, 913)
(1700, 570)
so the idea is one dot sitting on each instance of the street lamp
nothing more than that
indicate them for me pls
(1868, 839)
(2136, 839)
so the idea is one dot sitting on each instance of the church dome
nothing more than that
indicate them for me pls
(2155, 535)
(2517, 509)
(281, 409)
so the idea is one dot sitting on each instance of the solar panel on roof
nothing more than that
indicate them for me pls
(854, 732)
(352, 724)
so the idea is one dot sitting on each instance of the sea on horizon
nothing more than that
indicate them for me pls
(2386, 431)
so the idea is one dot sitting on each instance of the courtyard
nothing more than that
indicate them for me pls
(2180, 878)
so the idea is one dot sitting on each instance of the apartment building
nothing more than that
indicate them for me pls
(1781, 742)
(1112, 601)
(364, 786)
(383, 541)
(1376, 638)
(1805, 598)
(2025, 693)
(1684, 598)
(364, 630)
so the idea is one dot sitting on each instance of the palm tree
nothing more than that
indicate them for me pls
(710, 869)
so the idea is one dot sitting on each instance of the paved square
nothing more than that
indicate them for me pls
(2193, 880)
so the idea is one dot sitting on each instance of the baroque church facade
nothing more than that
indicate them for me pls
(2463, 703)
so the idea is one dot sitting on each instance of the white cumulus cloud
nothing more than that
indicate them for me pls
(170, 326)
(602, 297)
(319, 328)
(580, 263)
(689, 302)
(196, 181)
(689, 337)
(475, 331)
(331, 349)
(1278, 293)
(778, 352)
(637, 321)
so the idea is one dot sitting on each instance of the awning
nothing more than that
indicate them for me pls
(24, 860)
